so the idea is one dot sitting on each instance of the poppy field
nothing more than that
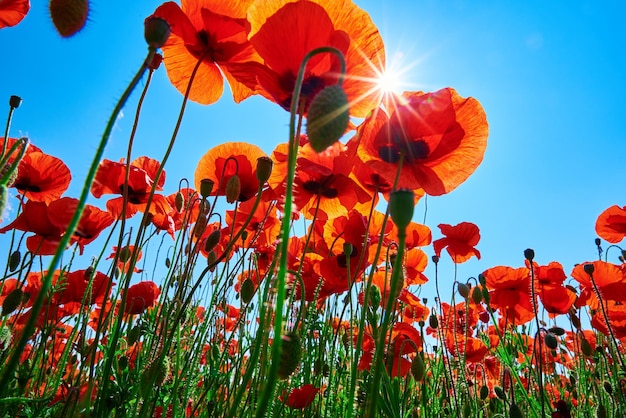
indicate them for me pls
(289, 283)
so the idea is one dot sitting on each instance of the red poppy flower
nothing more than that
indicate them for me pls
(35, 218)
(459, 241)
(556, 298)
(283, 32)
(609, 278)
(221, 163)
(214, 32)
(472, 349)
(300, 398)
(263, 228)
(323, 183)
(441, 136)
(74, 285)
(617, 319)
(611, 224)
(124, 258)
(42, 177)
(509, 290)
(12, 12)
(111, 179)
(140, 297)
(92, 222)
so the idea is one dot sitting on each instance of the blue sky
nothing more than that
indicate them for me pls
(550, 75)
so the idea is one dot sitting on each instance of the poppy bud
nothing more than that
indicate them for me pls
(598, 242)
(247, 290)
(477, 295)
(589, 268)
(529, 254)
(233, 189)
(12, 301)
(264, 167)
(15, 101)
(5, 337)
(515, 412)
(179, 202)
(433, 321)
(12, 174)
(290, 354)
(69, 16)
(601, 411)
(499, 392)
(154, 374)
(608, 387)
(200, 226)
(4, 198)
(375, 296)
(14, 260)
(435, 259)
(418, 368)
(550, 340)
(124, 254)
(484, 392)
(463, 289)
(156, 31)
(212, 240)
(134, 334)
(211, 259)
(585, 347)
(401, 206)
(328, 117)
(557, 331)
(206, 187)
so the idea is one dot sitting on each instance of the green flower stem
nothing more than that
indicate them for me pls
(378, 362)
(7, 376)
(268, 391)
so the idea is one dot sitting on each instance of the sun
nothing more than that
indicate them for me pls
(388, 82)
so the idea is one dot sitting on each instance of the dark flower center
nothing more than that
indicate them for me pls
(412, 150)
(315, 187)
(27, 187)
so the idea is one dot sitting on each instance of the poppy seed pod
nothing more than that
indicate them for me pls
(206, 187)
(212, 240)
(418, 368)
(401, 206)
(264, 167)
(12, 301)
(15, 101)
(550, 340)
(529, 254)
(589, 269)
(464, 290)
(156, 31)
(291, 352)
(375, 296)
(179, 202)
(69, 16)
(247, 291)
(233, 189)
(328, 117)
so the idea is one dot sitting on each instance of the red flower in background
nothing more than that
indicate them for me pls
(74, 287)
(611, 224)
(222, 162)
(111, 179)
(214, 32)
(35, 218)
(283, 32)
(300, 398)
(509, 290)
(12, 12)
(92, 222)
(441, 136)
(609, 278)
(459, 241)
(556, 298)
(140, 297)
(42, 177)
